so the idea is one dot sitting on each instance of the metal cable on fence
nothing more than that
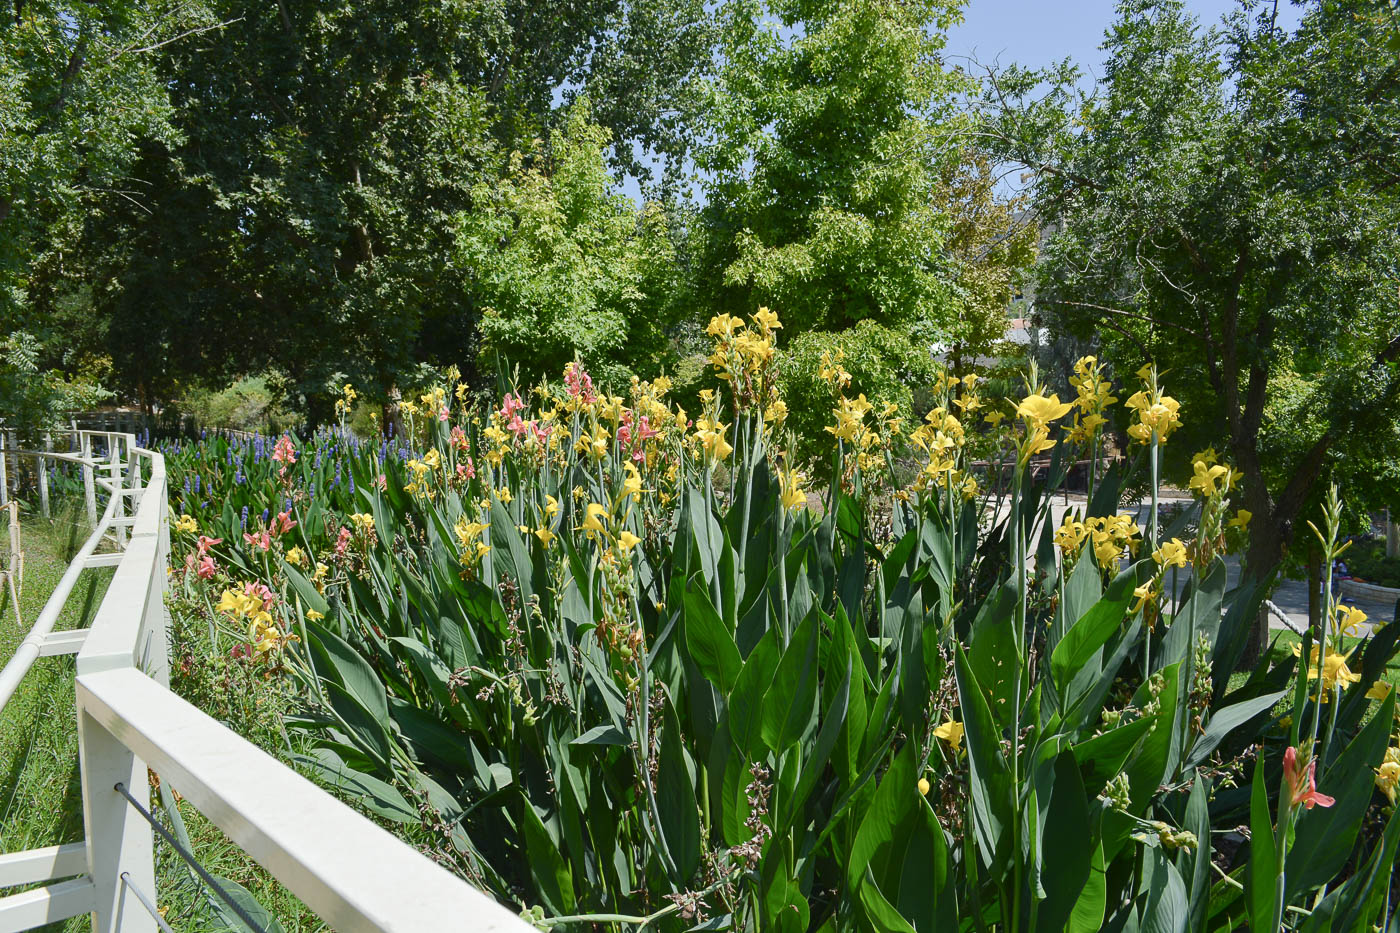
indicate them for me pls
(146, 902)
(189, 858)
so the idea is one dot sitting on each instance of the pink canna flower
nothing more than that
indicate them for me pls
(443, 413)
(205, 543)
(342, 541)
(459, 439)
(511, 404)
(262, 592)
(285, 453)
(207, 568)
(283, 523)
(1303, 786)
(578, 383)
(261, 540)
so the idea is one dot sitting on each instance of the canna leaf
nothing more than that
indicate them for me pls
(710, 643)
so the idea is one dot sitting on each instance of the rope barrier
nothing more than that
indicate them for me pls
(189, 858)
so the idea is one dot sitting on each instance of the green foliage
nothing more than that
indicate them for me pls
(77, 86)
(681, 702)
(822, 131)
(884, 364)
(303, 214)
(34, 400)
(254, 403)
(563, 267)
(1221, 206)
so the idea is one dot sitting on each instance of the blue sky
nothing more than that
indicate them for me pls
(1039, 32)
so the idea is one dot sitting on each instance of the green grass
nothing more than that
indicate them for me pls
(1282, 644)
(41, 802)
(40, 791)
(40, 794)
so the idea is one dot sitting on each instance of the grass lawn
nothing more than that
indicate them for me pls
(40, 792)
(41, 802)
(1284, 642)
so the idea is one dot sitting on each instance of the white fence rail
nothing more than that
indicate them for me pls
(352, 873)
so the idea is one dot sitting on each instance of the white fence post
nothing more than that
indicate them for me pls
(44, 477)
(114, 465)
(89, 485)
(119, 840)
(5, 468)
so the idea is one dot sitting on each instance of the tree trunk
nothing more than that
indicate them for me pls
(1314, 589)
(1266, 547)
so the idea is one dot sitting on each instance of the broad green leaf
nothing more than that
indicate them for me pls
(1087, 635)
(790, 704)
(374, 794)
(675, 797)
(1262, 880)
(900, 849)
(710, 643)
(1223, 722)
(546, 865)
(989, 776)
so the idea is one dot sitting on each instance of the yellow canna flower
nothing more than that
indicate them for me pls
(1171, 554)
(951, 732)
(994, 418)
(593, 520)
(296, 557)
(766, 320)
(1241, 519)
(1070, 536)
(551, 506)
(1334, 670)
(1039, 410)
(923, 787)
(187, 524)
(1206, 477)
(1379, 690)
(314, 616)
(632, 484)
(1349, 619)
(545, 535)
(627, 541)
(363, 521)
(1388, 774)
(1143, 594)
(793, 495)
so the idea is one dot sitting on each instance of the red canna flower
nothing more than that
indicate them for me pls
(1303, 786)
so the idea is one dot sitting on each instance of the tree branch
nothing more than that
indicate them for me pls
(1131, 314)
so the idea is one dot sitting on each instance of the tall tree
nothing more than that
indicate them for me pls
(78, 87)
(306, 218)
(1228, 206)
(564, 267)
(822, 129)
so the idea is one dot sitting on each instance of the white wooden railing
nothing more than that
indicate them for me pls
(353, 874)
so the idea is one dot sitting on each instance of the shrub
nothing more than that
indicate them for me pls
(884, 363)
